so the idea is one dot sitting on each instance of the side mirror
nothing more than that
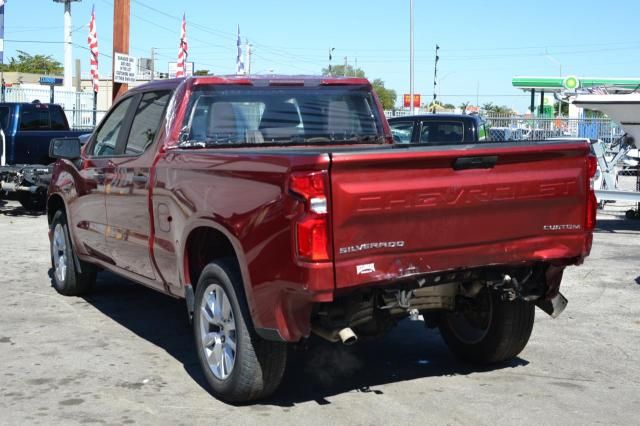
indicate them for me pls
(67, 148)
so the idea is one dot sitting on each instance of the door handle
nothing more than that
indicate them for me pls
(464, 163)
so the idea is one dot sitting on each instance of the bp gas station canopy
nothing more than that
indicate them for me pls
(544, 85)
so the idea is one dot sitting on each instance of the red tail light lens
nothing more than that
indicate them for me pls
(592, 202)
(312, 239)
(312, 229)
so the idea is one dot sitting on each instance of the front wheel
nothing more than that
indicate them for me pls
(67, 279)
(239, 365)
(487, 329)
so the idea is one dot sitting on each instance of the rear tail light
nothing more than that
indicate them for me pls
(592, 202)
(312, 228)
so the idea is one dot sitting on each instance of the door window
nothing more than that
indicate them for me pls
(146, 121)
(401, 131)
(107, 136)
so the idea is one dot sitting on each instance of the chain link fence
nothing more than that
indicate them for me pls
(78, 106)
(530, 128)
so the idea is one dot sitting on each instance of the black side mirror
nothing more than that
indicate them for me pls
(67, 148)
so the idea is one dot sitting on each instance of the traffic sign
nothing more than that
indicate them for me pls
(124, 68)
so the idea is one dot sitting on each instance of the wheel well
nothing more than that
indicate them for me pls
(54, 203)
(205, 245)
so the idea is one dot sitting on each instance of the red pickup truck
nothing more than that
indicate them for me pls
(280, 207)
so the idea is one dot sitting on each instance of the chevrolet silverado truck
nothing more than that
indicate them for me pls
(279, 207)
(26, 130)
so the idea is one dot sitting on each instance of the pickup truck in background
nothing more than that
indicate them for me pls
(280, 207)
(27, 129)
(439, 129)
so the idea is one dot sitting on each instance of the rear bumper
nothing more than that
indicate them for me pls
(287, 316)
(558, 249)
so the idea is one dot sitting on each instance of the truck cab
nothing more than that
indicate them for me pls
(438, 129)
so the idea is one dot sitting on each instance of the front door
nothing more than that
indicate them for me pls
(87, 211)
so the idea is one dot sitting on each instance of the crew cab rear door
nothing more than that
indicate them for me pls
(414, 210)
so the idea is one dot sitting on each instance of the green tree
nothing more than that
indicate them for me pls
(201, 72)
(339, 71)
(463, 106)
(36, 64)
(387, 97)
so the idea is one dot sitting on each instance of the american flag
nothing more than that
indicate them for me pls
(93, 48)
(183, 51)
(239, 61)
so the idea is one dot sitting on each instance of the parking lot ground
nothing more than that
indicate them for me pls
(124, 354)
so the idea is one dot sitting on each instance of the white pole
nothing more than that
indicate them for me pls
(68, 48)
(411, 88)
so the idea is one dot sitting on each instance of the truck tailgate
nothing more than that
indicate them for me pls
(417, 210)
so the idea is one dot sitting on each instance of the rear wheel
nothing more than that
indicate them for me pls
(67, 279)
(239, 365)
(487, 329)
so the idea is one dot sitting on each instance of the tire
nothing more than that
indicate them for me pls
(239, 365)
(67, 279)
(35, 202)
(490, 330)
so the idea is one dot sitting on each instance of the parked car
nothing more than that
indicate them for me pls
(438, 129)
(278, 207)
(26, 130)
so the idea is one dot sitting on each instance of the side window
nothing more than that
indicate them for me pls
(441, 133)
(146, 121)
(32, 118)
(482, 132)
(58, 120)
(107, 137)
(401, 131)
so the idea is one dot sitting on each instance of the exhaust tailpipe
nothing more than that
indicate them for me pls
(345, 335)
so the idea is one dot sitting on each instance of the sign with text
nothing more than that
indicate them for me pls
(124, 68)
(407, 100)
(51, 81)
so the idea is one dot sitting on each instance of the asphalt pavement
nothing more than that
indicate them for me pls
(124, 354)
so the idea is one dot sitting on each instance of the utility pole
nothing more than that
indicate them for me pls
(2, 54)
(121, 18)
(355, 70)
(411, 88)
(153, 63)
(68, 44)
(346, 64)
(435, 79)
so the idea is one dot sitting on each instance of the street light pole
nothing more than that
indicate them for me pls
(411, 88)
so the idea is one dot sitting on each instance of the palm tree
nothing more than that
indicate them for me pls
(463, 106)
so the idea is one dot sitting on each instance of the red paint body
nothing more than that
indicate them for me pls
(134, 215)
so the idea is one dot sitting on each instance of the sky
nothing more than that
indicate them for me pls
(483, 44)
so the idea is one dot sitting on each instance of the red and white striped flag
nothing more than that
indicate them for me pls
(183, 51)
(93, 47)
